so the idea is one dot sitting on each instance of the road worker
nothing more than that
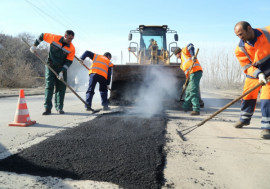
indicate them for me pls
(61, 55)
(253, 54)
(153, 52)
(192, 94)
(100, 72)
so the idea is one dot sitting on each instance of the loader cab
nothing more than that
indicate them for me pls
(147, 35)
(132, 79)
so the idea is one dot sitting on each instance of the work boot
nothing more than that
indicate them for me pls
(47, 112)
(61, 111)
(265, 134)
(106, 108)
(89, 109)
(201, 104)
(193, 113)
(240, 124)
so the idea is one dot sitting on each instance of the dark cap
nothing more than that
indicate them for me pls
(177, 50)
(107, 54)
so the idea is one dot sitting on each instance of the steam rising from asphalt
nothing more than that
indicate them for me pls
(159, 86)
(78, 76)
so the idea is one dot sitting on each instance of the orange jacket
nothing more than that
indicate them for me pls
(255, 59)
(58, 55)
(186, 63)
(100, 65)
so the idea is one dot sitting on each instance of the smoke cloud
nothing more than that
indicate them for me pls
(158, 90)
(78, 76)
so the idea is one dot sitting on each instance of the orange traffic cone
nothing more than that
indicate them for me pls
(22, 117)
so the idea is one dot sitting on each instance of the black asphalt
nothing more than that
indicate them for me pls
(123, 149)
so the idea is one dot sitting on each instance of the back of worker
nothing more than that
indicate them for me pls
(100, 72)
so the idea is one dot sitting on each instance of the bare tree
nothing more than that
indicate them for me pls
(221, 70)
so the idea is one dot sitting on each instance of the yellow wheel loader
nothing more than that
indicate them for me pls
(152, 70)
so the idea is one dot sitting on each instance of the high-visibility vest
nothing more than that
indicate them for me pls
(251, 57)
(57, 40)
(59, 55)
(100, 65)
(186, 63)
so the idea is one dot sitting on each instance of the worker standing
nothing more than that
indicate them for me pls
(253, 54)
(61, 55)
(100, 72)
(192, 94)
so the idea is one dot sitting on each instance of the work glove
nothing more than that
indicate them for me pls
(194, 59)
(108, 87)
(60, 75)
(33, 49)
(262, 78)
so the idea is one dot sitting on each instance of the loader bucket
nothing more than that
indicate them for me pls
(130, 81)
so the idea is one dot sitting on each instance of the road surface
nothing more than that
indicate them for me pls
(215, 155)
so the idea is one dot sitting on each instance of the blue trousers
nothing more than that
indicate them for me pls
(93, 80)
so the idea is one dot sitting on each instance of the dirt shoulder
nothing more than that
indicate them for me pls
(10, 92)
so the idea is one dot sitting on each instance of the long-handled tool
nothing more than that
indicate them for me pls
(94, 111)
(187, 80)
(189, 129)
(80, 61)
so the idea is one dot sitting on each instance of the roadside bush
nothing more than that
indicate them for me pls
(18, 66)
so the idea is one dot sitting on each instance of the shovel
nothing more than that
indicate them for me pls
(188, 130)
(93, 111)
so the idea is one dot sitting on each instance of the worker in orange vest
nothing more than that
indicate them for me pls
(100, 72)
(60, 57)
(192, 96)
(253, 54)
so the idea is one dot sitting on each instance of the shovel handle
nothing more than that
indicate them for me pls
(80, 61)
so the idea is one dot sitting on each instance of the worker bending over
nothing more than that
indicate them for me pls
(100, 72)
(192, 94)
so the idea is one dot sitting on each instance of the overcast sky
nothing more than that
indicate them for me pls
(103, 25)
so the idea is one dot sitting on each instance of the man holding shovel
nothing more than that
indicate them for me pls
(253, 54)
(193, 70)
(60, 57)
(100, 72)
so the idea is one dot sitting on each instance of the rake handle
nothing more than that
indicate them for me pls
(232, 102)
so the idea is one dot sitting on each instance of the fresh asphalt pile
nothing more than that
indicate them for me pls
(120, 148)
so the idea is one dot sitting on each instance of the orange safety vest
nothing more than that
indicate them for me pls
(55, 40)
(186, 63)
(250, 57)
(100, 65)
